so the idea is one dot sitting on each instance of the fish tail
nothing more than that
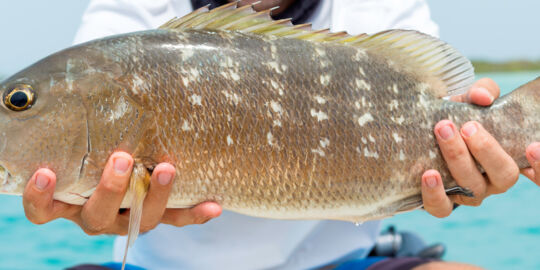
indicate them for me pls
(138, 187)
(513, 120)
(531, 88)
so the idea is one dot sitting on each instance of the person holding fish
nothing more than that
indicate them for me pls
(243, 242)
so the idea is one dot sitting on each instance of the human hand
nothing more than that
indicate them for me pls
(101, 213)
(460, 149)
(533, 156)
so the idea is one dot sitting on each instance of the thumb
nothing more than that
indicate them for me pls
(38, 196)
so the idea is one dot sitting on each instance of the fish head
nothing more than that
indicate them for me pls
(43, 122)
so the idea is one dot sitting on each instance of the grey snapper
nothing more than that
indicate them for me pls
(266, 118)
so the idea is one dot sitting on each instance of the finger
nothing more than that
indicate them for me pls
(460, 162)
(529, 173)
(435, 200)
(39, 204)
(158, 195)
(533, 156)
(500, 168)
(38, 196)
(199, 214)
(100, 211)
(483, 92)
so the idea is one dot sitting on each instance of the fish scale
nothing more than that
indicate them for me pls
(254, 152)
(265, 118)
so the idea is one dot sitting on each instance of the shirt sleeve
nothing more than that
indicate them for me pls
(109, 17)
(372, 16)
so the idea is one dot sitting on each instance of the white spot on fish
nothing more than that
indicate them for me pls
(364, 140)
(394, 87)
(229, 140)
(276, 107)
(324, 142)
(367, 153)
(360, 54)
(120, 108)
(274, 84)
(186, 126)
(432, 155)
(277, 122)
(275, 66)
(371, 139)
(137, 83)
(69, 82)
(361, 70)
(320, 52)
(357, 105)
(273, 49)
(325, 79)
(186, 53)
(195, 100)
(362, 120)
(224, 74)
(423, 102)
(51, 82)
(422, 87)
(398, 120)
(234, 75)
(185, 81)
(319, 115)
(194, 73)
(362, 84)
(284, 67)
(320, 99)
(396, 137)
(69, 75)
(234, 98)
(364, 103)
(270, 139)
(318, 151)
(401, 155)
(393, 104)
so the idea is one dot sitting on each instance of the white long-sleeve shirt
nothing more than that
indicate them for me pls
(235, 241)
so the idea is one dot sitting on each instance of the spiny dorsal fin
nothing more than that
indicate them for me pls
(436, 62)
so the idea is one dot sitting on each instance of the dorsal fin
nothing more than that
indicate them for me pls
(444, 68)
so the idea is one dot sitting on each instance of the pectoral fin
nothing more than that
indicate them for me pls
(138, 187)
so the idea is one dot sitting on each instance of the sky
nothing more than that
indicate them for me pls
(480, 29)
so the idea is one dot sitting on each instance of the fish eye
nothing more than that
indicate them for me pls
(19, 98)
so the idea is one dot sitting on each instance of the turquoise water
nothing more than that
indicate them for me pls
(503, 233)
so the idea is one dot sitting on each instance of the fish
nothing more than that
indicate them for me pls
(266, 118)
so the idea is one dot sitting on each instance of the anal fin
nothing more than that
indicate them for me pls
(457, 190)
(138, 187)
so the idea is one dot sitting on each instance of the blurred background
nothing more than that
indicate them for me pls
(501, 37)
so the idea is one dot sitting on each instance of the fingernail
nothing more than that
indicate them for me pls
(484, 92)
(469, 129)
(535, 153)
(121, 165)
(431, 181)
(164, 178)
(42, 181)
(446, 132)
